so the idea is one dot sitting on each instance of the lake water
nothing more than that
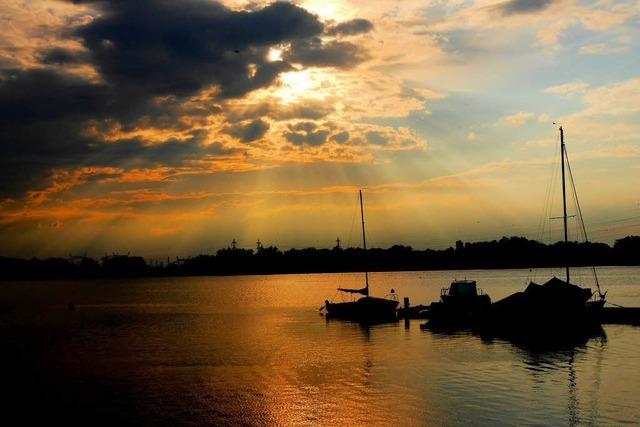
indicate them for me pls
(255, 351)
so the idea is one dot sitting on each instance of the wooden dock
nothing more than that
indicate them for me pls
(621, 315)
(610, 315)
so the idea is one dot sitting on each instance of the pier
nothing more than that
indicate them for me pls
(609, 315)
(621, 315)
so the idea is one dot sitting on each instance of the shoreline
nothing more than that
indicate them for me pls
(287, 273)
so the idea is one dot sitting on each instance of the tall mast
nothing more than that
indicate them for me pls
(364, 242)
(564, 199)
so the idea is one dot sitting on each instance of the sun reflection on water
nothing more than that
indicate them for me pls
(255, 350)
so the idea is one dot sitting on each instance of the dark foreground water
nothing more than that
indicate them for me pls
(255, 351)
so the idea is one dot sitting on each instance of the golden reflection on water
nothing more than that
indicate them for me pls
(256, 351)
(327, 372)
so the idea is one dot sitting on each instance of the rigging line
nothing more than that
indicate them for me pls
(353, 222)
(541, 226)
(584, 229)
(551, 202)
(578, 220)
(553, 197)
(615, 231)
(545, 227)
(334, 297)
(615, 220)
(548, 199)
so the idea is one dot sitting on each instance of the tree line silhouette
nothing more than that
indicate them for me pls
(508, 252)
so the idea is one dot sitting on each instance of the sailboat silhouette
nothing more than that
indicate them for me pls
(556, 308)
(366, 308)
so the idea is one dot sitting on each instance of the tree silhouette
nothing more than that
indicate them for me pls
(507, 252)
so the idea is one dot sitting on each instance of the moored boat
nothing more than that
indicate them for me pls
(460, 305)
(367, 308)
(555, 308)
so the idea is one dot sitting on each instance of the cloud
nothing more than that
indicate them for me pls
(616, 99)
(156, 75)
(137, 153)
(335, 141)
(611, 114)
(306, 133)
(515, 7)
(248, 132)
(62, 56)
(572, 88)
(544, 118)
(340, 137)
(245, 109)
(517, 119)
(351, 28)
(40, 124)
(315, 52)
(429, 93)
(202, 43)
(376, 137)
(602, 49)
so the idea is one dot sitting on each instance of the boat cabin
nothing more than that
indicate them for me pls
(461, 288)
(463, 292)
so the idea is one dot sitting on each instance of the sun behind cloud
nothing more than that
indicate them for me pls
(245, 117)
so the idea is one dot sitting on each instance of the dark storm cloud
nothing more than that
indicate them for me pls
(136, 153)
(514, 7)
(351, 28)
(164, 47)
(313, 52)
(311, 109)
(151, 55)
(40, 116)
(252, 131)
(62, 56)
(46, 94)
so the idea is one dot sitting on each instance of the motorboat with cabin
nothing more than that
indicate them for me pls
(460, 305)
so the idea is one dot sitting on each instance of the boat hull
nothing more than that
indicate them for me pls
(366, 308)
(465, 313)
(555, 309)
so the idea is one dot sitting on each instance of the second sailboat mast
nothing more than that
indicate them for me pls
(364, 242)
(564, 201)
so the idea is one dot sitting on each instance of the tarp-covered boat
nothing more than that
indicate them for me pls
(555, 307)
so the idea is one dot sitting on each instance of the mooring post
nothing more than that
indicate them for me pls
(406, 302)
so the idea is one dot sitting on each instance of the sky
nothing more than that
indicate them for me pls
(170, 128)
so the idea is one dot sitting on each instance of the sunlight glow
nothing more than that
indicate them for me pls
(295, 85)
(274, 55)
(253, 68)
(329, 10)
(261, 144)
